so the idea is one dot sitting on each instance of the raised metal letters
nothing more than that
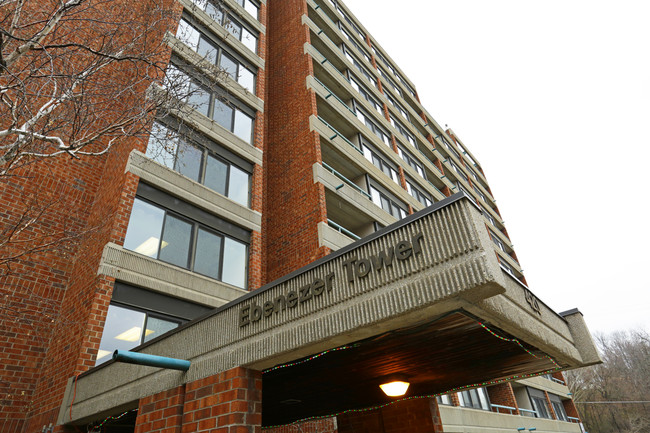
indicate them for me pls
(354, 268)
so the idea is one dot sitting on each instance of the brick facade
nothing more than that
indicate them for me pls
(408, 416)
(294, 203)
(503, 395)
(228, 402)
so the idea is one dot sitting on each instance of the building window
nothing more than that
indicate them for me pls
(418, 194)
(387, 203)
(499, 243)
(444, 399)
(359, 66)
(469, 196)
(403, 131)
(476, 398)
(202, 161)
(487, 215)
(136, 316)
(214, 103)
(379, 162)
(411, 161)
(397, 105)
(376, 129)
(172, 236)
(250, 7)
(558, 407)
(224, 17)
(540, 405)
(354, 43)
(367, 96)
(390, 82)
(213, 52)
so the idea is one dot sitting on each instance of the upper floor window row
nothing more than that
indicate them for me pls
(449, 146)
(388, 203)
(397, 105)
(216, 54)
(418, 194)
(411, 161)
(201, 160)
(458, 170)
(251, 7)
(390, 82)
(393, 70)
(376, 129)
(359, 66)
(213, 102)
(367, 96)
(379, 162)
(224, 17)
(350, 39)
(403, 131)
(166, 229)
(345, 16)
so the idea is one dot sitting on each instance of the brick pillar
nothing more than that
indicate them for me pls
(228, 402)
(550, 405)
(162, 412)
(409, 416)
(570, 408)
(328, 425)
(503, 395)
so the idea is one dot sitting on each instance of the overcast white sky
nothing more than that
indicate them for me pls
(553, 98)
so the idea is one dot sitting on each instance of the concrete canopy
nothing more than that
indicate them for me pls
(434, 273)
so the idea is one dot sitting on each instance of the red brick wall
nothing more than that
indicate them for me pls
(228, 402)
(319, 426)
(409, 416)
(502, 395)
(294, 204)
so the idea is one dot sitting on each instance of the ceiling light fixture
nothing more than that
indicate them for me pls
(396, 388)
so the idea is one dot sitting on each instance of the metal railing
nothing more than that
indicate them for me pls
(338, 134)
(342, 229)
(336, 97)
(511, 409)
(528, 412)
(573, 419)
(346, 180)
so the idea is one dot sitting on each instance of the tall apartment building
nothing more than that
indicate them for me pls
(295, 232)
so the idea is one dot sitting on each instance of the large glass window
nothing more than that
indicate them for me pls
(367, 96)
(176, 239)
(403, 131)
(136, 316)
(387, 203)
(204, 162)
(224, 17)
(538, 399)
(558, 407)
(359, 66)
(379, 162)
(350, 39)
(476, 398)
(376, 129)
(410, 160)
(251, 7)
(225, 110)
(418, 194)
(217, 54)
(397, 105)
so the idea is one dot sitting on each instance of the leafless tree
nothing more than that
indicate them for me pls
(614, 397)
(78, 78)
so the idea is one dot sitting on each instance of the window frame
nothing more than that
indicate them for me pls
(208, 148)
(199, 219)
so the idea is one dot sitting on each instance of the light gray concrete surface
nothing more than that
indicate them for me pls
(456, 268)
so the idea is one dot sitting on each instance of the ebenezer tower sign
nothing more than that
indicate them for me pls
(417, 297)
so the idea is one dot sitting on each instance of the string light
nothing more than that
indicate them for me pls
(458, 389)
(291, 364)
(112, 418)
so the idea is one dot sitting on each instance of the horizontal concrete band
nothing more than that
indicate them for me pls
(443, 260)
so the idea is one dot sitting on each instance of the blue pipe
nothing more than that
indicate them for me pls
(150, 360)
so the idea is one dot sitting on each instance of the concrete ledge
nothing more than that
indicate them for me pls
(448, 264)
(546, 385)
(192, 192)
(331, 238)
(464, 420)
(352, 196)
(158, 276)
